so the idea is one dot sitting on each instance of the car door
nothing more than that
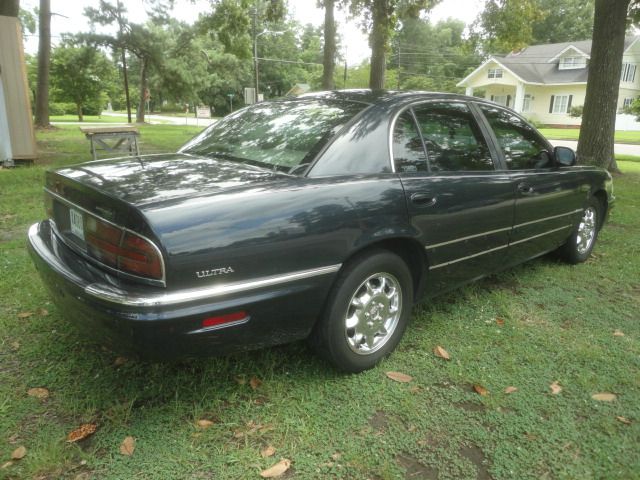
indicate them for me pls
(548, 199)
(460, 206)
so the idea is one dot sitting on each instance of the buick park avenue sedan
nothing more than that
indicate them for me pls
(323, 217)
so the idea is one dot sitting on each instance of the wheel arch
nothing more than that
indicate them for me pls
(410, 250)
(602, 197)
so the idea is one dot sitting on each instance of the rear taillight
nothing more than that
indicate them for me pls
(122, 250)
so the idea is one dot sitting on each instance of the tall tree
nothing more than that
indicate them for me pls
(44, 60)
(329, 50)
(9, 8)
(563, 21)
(595, 144)
(379, 19)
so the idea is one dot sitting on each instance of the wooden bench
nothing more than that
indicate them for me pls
(112, 140)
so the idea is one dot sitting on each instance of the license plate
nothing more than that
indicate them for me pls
(77, 223)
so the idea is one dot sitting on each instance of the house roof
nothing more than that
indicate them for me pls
(535, 64)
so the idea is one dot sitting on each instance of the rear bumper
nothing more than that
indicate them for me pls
(162, 324)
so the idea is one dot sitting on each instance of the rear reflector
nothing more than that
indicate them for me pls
(223, 319)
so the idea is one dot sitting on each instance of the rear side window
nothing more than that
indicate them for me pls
(452, 138)
(408, 150)
(523, 147)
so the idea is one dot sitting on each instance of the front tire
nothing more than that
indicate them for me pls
(581, 242)
(367, 312)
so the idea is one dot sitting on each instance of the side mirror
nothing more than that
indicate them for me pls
(565, 157)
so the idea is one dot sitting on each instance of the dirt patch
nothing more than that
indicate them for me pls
(379, 420)
(476, 456)
(416, 470)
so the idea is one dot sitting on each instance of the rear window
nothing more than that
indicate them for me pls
(279, 135)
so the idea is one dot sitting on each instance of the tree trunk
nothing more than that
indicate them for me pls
(378, 41)
(79, 110)
(328, 61)
(44, 54)
(9, 8)
(143, 90)
(595, 144)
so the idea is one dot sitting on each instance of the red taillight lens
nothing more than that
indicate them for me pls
(122, 250)
(222, 319)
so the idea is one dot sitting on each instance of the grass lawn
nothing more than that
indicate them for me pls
(540, 323)
(573, 133)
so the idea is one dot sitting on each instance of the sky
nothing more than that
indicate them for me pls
(72, 20)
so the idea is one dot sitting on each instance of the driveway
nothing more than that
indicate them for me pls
(619, 148)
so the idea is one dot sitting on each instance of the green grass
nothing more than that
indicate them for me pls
(558, 326)
(573, 133)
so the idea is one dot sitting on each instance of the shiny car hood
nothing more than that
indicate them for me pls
(152, 179)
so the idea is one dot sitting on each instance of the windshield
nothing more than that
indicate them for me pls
(278, 135)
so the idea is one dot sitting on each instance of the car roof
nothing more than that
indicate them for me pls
(373, 97)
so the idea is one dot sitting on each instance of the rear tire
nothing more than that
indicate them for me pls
(581, 242)
(366, 313)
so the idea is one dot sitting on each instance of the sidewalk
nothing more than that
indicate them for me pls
(619, 148)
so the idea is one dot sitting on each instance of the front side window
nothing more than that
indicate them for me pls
(628, 72)
(452, 138)
(277, 135)
(523, 147)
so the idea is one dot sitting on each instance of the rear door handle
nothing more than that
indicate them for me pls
(423, 199)
(525, 189)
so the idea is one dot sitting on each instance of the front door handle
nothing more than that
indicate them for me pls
(525, 189)
(423, 199)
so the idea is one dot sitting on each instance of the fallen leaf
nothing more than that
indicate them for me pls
(399, 377)
(618, 333)
(441, 352)
(555, 388)
(255, 382)
(500, 321)
(604, 397)
(43, 312)
(19, 453)
(336, 456)
(624, 420)
(127, 446)
(82, 432)
(240, 380)
(120, 361)
(38, 392)
(277, 469)
(6, 465)
(510, 390)
(415, 389)
(15, 346)
(204, 423)
(480, 390)
(267, 452)
(25, 314)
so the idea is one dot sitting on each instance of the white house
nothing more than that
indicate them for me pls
(543, 82)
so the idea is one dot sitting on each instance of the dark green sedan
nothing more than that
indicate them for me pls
(323, 217)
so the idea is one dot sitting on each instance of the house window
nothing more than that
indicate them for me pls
(495, 73)
(501, 100)
(569, 63)
(626, 103)
(628, 72)
(561, 104)
(526, 103)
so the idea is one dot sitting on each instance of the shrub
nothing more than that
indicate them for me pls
(576, 112)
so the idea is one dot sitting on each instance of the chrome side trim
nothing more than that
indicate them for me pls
(461, 259)
(490, 232)
(461, 239)
(162, 281)
(540, 234)
(121, 297)
(548, 218)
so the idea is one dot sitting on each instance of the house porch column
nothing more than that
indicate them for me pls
(469, 92)
(519, 100)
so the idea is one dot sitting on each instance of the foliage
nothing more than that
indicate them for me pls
(576, 111)
(28, 21)
(509, 25)
(80, 74)
(432, 57)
